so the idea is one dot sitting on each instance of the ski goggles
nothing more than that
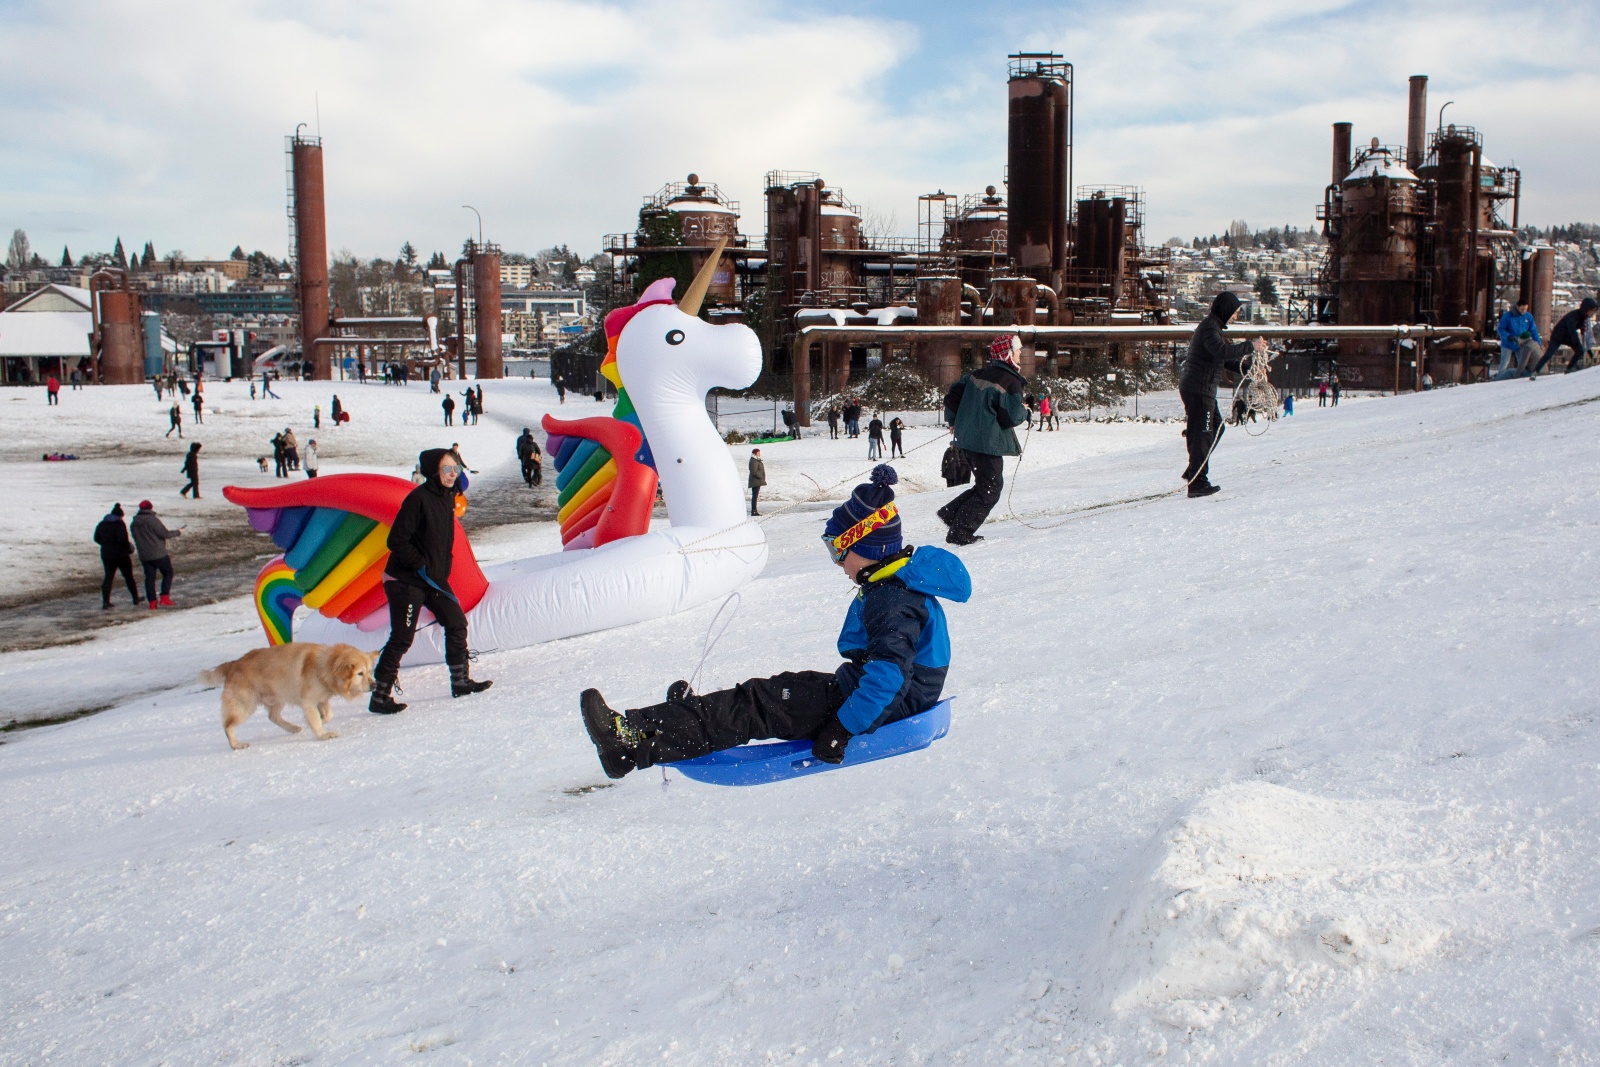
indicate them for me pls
(839, 547)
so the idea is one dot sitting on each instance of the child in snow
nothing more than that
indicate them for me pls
(895, 643)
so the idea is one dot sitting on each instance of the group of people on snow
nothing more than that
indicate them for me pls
(1520, 342)
(149, 537)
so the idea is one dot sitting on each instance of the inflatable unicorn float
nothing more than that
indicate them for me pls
(612, 570)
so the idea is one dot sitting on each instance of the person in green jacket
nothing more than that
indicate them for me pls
(983, 410)
(758, 478)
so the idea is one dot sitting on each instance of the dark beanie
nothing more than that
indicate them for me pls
(1224, 305)
(1588, 304)
(883, 540)
(116, 509)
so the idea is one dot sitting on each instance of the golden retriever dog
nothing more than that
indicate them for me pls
(307, 676)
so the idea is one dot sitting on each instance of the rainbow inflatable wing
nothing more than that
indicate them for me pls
(605, 474)
(334, 533)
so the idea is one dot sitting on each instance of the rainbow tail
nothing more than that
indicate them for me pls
(276, 598)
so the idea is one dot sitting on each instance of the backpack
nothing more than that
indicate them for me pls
(955, 468)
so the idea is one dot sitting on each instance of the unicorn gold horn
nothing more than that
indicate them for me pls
(690, 304)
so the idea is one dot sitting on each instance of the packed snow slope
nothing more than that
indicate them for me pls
(1302, 773)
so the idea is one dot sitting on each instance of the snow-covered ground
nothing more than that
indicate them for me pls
(1302, 773)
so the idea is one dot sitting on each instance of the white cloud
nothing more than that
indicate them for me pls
(165, 119)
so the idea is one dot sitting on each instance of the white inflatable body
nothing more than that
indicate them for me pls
(668, 361)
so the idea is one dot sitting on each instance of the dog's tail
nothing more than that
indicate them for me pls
(217, 675)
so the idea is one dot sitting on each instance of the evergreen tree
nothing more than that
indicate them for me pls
(437, 262)
(66, 256)
(408, 255)
(237, 253)
(118, 256)
(149, 258)
(1267, 289)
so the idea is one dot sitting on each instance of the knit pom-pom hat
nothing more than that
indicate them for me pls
(868, 524)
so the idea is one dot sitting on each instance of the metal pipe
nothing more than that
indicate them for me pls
(370, 341)
(972, 294)
(383, 320)
(1472, 246)
(808, 335)
(1053, 301)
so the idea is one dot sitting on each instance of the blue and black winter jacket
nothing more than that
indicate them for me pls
(896, 642)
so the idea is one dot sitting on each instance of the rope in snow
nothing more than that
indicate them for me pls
(712, 638)
(688, 549)
(1254, 390)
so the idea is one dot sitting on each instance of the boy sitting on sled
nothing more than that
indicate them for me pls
(895, 643)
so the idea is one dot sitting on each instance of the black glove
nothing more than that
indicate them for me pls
(829, 744)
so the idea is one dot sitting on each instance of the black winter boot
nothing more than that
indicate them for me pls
(614, 740)
(461, 683)
(1203, 488)
(383, 701)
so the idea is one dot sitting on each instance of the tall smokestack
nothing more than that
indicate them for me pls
(311, 254)
(1417, 122)
(1341, 151)
(486, 312)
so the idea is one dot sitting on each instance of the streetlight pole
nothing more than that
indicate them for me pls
(475, 211)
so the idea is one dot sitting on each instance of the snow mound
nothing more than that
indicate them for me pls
(1256, 887)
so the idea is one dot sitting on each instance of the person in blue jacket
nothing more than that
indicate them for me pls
(894, 640)
(1518, 336)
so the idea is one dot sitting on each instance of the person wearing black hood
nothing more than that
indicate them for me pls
(1569, 333)
(116, 555)
(1209, 354)
(417, 576)
(191, 470)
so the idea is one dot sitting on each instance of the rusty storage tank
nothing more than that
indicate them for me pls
(1098, 254)
(311, 252)
(1379, 255)
(839, 231)
(978, 237)
(1039, 164)
(486, 311)
(120, 348)
(1538, 284)
(705, 217)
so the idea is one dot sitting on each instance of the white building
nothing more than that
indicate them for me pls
(519, 275)
(44, 333)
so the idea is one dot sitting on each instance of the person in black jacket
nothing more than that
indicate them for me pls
(116, 554)
(417, 576)
(983, 410)
(1209, 354)
(529, 456)
(1568, 333)
(191, 470)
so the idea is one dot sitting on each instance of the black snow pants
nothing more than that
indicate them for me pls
(405, 608)
(968, 510)
(113, 565)
(1204, 426)
(790, 706)
(153, 567)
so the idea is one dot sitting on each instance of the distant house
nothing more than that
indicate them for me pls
(44, 333)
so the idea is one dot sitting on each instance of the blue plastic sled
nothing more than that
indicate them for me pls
(775, 761)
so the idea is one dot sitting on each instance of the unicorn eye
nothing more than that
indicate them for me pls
(675, 337)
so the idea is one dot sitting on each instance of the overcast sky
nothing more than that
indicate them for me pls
(165, 120)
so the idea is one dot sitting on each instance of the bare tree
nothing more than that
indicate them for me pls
(17, 254)
(876, 223)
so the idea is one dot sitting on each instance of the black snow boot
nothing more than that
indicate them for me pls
(614, 740)
(461, 683)
(959, 537)
(1203, 488)
(383, 701)
(944, 514)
